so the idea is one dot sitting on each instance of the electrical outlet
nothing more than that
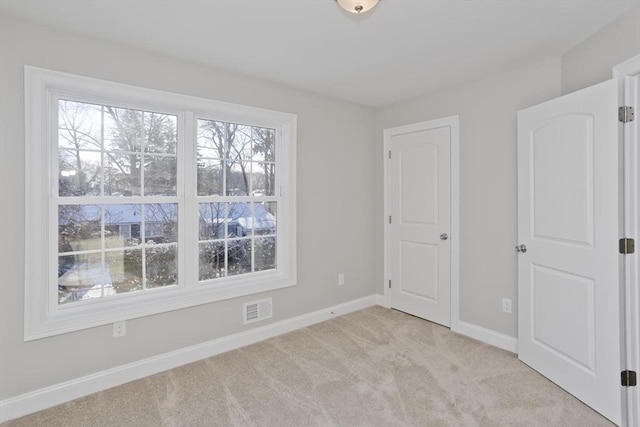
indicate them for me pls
(119, 329)
(507, 305)
(340, 279)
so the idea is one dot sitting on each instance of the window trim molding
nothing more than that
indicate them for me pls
(41, 87)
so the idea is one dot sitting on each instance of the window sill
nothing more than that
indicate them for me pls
(125, 307)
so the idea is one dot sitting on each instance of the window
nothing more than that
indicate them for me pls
(236, 162)
(117, 168)
(142, 201)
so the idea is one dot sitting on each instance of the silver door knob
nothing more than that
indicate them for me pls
(521, 248)
(444, 236)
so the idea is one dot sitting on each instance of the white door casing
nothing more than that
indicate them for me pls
(568, 218)
(419, 232)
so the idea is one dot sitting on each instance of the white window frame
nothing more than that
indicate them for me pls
(43, 315)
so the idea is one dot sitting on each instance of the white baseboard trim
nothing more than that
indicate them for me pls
(379, 299)
(38, 400)
(488, 336)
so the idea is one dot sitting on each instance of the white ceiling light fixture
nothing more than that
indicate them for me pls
(357, 6)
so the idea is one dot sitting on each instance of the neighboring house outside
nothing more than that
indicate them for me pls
(125, 221)
(238, 218)
(84, 274)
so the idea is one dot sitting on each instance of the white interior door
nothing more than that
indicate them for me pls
(629, 74)
(419, 206)
(568, 218)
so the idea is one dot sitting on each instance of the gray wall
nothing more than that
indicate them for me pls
(591, 61)
(488, 181)
(335, 171)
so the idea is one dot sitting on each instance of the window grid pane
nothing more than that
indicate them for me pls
(105, 249)
(236, 160)
(236, 238)
(105, 150)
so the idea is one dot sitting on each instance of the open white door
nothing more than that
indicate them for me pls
(419, 203)
(568, 223)
(628, 73)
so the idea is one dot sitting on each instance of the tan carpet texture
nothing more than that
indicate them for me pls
(374, 367)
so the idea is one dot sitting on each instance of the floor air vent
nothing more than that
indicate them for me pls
(257, 310)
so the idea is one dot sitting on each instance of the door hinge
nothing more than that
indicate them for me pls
(389, 219)
(627, 246)
(625, 114)
(628, 378)
(389, 284)
(389, 154)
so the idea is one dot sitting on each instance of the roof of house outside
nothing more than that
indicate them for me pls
(162, 212)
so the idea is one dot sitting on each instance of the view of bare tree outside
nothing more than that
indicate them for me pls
(235, 160)
(236, 237)
(117, 246)
(105, 150)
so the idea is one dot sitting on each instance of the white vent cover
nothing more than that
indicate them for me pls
(257, 310)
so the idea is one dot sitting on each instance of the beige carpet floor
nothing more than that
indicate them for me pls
(375, 367)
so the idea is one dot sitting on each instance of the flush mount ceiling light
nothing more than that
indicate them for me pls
(357, 6)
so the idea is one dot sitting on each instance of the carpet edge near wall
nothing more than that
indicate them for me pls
(28, 403)
(57, 394)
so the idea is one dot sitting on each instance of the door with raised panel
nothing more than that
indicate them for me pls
(568, 277)
(419, 204)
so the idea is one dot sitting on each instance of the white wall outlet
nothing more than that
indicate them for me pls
(507, 305)
(120, 329)
(340, 279)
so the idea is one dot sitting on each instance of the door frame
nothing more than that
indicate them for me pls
(630, 264)
(454, 235)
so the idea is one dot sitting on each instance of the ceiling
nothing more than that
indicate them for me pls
(399, 50)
